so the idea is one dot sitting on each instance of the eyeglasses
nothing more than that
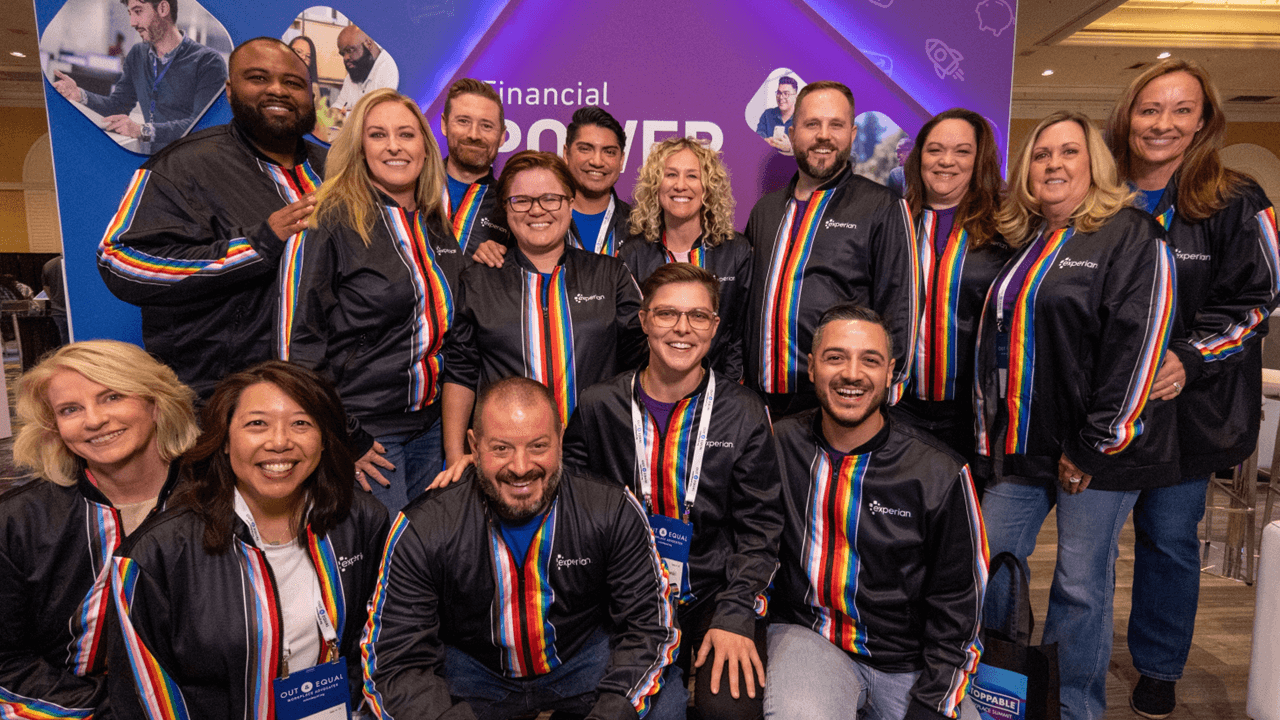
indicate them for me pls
(665, 317)
(524, 203)
(785, 93)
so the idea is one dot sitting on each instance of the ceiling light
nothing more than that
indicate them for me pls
(1163, 55)
(15, 53)
(1047, 73)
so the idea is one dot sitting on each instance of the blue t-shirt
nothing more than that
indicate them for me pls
(518, 536)
(457, 191)
(1149, 199)
(588, 228)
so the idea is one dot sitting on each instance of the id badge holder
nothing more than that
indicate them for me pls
(318, 693)
(672, 536)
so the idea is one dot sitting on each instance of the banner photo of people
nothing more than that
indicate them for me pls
(127, 79)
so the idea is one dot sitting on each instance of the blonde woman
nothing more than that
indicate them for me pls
(367, 292)
(102, 423)
(684, 213)
(1070, 341)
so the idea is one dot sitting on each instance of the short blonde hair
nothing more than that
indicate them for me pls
(348, 195)
(120, 366)
(717, 193)
(1020, 213)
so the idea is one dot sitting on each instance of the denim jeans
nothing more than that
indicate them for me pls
(1166, 577)
(418, 458)
(1084, 579)
(812, 679)
(570, 687)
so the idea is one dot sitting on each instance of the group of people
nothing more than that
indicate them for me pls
(599, 384)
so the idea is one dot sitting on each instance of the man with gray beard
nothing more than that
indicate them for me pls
(200, 231)
(522, 587)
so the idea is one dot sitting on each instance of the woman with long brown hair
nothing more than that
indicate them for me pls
(1165, 132)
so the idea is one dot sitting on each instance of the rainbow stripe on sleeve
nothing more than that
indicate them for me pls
(373, 626)
(158, 694)
(522, 600)
(651, 682)
(1232, 340)
(830, 553)
(20, 707)
(981, 562)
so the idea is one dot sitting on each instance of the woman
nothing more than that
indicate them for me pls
(305, 48)
(560, 315)
(1071, 337)
(1165, 132)
(367, 292)
(263, 565)
(102, 423)
(684, 210)
(953, 188)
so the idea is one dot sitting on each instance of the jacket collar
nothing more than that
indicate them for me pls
(702, 386)
(841, 178)
(875, 443)
(239, 132)
(93, 494)
(488, 178)
(525, 264)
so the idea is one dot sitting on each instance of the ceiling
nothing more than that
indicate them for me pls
(1091, 45)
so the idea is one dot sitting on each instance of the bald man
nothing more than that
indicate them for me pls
(203, 224)
(368, 68)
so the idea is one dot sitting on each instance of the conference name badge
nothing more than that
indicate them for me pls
(672, 537)
(317, 693)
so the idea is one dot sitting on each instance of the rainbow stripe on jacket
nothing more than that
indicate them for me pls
(20, 707)
(373, 626)
(670, 454)
(1231, 340)
(521, 600)
(88, 625)
(937, 341)
(780, 349)
(159, 695)
(434, 308)
(548, 337)
(830, 554)
(465, 215)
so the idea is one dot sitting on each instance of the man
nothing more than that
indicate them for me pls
(171, 77)
(884, 560)
(775, 122)
(199, 234)
(594, 152)
(368, 68)
(829, 237)
(718, 488)
(473, 125)
(898, 175)
(522, 587)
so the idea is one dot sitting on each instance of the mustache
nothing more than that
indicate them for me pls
(824, 145)
(510, 478)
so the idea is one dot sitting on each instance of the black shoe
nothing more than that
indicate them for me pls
(1153, 698)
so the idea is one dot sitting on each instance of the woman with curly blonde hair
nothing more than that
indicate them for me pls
(1072, 335)
(684, 213)
(102, 423)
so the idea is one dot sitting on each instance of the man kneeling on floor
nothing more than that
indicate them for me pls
(522, 587)
(883, 559)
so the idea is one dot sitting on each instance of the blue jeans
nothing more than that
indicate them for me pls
(1084, 578)
(811, 679)
(570, 687)
(418, 458)
(1166, 577)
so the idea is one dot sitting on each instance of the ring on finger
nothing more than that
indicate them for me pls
(1074, 480)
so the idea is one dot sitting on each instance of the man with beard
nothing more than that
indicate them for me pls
(369, 68)
(829, 237)
(199, 234)
(522, 587)
(884, 559)
(473, 125)
(171, 77)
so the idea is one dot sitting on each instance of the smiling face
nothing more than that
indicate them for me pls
(517, 456)
(107, 428)
(301, 47)
(680, 193)
(786, 97)
(394, 150)
(946, 162)
(270, 92)
(822, 134)
(273, 446)
(1060, 175)
(851, 369)
(1164, 119)
(594, 159)
(473, 131)
(537, 230)
(681, 347)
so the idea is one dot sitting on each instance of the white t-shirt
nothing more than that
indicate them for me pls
(299, 589)
(383, 74)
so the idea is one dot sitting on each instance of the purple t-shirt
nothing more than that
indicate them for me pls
(946, 221)
(660, 411)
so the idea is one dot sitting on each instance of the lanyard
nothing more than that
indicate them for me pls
(1008, 279)
(323, 620)
(155, 85)
(603, 234)
(700, 445)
